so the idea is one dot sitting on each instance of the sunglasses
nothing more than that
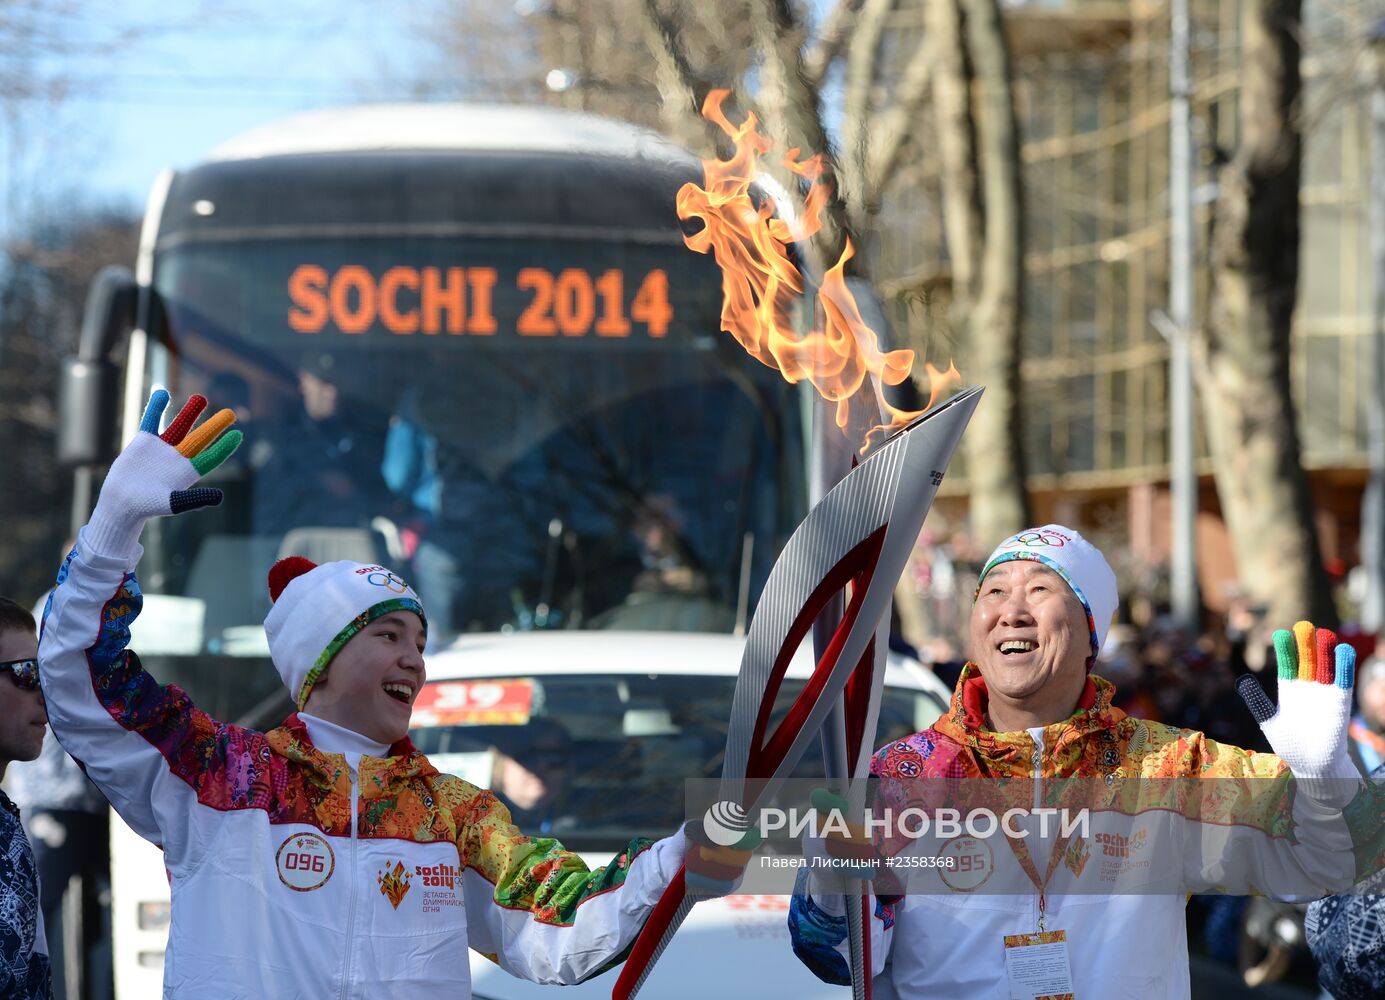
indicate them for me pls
(23, 672)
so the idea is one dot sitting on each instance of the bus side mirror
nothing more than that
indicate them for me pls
(89, 393)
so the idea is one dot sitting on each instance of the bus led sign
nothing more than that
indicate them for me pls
(457, 301)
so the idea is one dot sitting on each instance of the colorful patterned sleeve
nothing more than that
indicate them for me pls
(1257, 830)
(152, 753)
(539, 911)
(817, 920)
(819, 937)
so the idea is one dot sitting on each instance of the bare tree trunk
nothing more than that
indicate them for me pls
(793, 115)
(862, 66)
(956, 135)
(984, 219)
(678, 86)
(891, 128)
(1244, 351)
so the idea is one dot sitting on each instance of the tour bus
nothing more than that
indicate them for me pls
(469, 343)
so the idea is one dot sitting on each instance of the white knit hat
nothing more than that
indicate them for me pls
(317, 609)
(1077, 561)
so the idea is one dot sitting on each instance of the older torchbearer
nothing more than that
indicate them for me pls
(1028, 715)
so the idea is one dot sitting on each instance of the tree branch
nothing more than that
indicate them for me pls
(956, 139)
(792, 113)
(836, 30)
(862, 62)
(679, 88)
(891, 127)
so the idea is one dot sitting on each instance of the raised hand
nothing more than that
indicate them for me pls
(1308, 728)
(155, 475)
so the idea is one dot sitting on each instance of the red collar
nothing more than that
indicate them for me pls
(996, 754)
(975, 699)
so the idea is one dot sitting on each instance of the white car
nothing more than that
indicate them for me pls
(590, 737)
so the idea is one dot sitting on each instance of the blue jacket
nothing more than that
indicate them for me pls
(24, 972)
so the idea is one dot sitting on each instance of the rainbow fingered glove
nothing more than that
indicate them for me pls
(155, 475)
(850, 847)
(710, 869)
(1308, 729)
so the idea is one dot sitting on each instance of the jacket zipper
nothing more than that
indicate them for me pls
(351, 896)
(1038, 736)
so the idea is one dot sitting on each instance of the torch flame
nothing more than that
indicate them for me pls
(760, 283)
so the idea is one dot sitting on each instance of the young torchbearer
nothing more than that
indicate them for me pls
(1175, 812)
(327, 856)
(24, 968)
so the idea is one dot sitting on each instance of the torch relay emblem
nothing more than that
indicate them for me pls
(394, 883)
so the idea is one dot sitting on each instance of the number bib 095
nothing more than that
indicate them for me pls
(971, 865)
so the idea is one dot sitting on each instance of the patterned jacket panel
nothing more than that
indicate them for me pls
(24, 969)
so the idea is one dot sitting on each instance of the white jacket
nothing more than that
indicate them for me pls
(1118, 892)
(295, 875)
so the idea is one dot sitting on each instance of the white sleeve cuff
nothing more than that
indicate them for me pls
(113, 538)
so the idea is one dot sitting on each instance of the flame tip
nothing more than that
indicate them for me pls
(760, 281)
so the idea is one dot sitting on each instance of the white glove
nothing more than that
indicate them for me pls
(1308, 729)
(154, 475)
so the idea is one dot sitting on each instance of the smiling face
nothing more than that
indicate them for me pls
(1031, 641)
(22, 716)
(371, 683)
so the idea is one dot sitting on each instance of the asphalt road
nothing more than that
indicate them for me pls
(1213, 981)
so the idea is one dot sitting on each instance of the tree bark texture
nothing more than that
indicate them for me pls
(793, 115)
(680, 94)
(983, 213)
(1244, 350)
(862, 63)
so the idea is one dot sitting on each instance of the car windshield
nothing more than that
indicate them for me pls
(595, 759)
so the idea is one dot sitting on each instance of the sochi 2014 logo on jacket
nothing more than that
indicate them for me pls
(441, 883)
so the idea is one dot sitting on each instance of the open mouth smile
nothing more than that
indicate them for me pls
(400, 692)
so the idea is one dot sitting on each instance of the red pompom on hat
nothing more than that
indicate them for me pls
(285, 571)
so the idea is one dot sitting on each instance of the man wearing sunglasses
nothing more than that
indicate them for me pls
(24, 970)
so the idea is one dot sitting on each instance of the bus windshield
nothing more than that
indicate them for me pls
(540, 434)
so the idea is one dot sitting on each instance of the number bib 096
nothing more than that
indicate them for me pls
(305, 862)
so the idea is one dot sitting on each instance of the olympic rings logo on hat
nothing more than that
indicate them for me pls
(1035, 539)
(389, 581)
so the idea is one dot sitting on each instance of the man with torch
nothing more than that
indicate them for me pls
(1028, 715)
(1026, 711)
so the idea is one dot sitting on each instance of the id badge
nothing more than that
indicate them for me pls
(1037, 966)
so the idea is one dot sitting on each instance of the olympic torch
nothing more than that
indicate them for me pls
(861, 533)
